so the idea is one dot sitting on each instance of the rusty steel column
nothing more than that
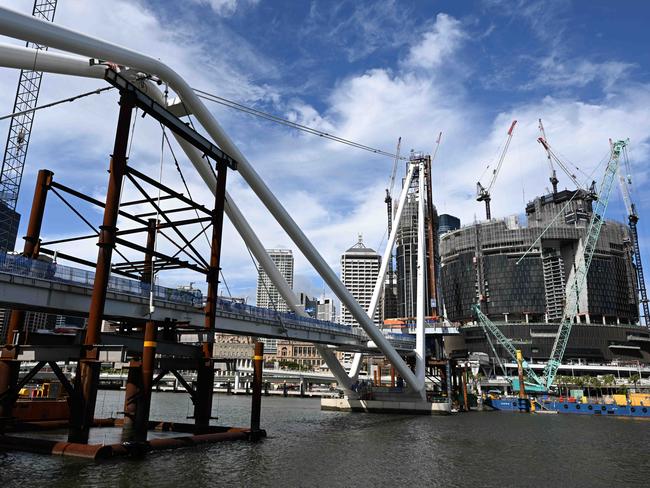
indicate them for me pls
(137, 398)
(87, 378)
(9, 366)
(144, 404)
(464, 383)
(256, 402)
(205, 373)
(132, 394)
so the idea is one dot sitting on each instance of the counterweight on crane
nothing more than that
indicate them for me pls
(20, 129)
(633, 218)
(574, 289)
(483, 193)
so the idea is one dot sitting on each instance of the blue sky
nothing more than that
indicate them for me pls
(371, 72)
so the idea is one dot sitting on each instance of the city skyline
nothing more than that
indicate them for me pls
(584, 92)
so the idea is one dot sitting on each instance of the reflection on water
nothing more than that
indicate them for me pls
(307, 447)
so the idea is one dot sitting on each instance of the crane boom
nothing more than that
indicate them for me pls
(483, 193)
(20, 128)
(583, 262)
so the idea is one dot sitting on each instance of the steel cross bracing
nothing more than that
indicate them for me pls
(639, 270)
(20, 128)
(577, 285)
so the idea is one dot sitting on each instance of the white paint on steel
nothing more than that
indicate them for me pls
(420, 345)
(379, 284)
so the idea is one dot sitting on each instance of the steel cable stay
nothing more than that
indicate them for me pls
(74, 98)
(204, 228)
(279, 120)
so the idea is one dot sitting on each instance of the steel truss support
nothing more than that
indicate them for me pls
(20, 26)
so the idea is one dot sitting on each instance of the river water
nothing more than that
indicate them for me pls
(306, 447)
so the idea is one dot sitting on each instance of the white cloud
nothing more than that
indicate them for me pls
(555, 72)
(436, 45)
(226, 8)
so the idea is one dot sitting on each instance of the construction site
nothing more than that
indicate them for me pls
(442, 314)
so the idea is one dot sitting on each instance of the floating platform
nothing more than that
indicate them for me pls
(576, 408)
(385, 406)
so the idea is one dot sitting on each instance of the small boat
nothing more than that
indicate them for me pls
(44, 402)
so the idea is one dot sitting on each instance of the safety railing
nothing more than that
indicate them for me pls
(18, 265)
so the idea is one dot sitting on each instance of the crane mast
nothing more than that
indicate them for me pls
(389, 208)
(20, 129)
(633, 218)
(483, 193)
(583, 262)
(553, 178)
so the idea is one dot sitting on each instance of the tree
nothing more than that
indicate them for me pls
(609, 380)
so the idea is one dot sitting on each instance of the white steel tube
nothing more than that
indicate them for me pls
(27, 28)
(23, 58)
(420, 345)
(376, 294)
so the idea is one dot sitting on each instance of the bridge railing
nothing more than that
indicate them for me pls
(286, 318)
(18, 265)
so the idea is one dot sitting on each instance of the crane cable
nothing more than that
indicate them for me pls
(274, 118)
(58, 102)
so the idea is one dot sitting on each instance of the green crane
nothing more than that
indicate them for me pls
(583, 261)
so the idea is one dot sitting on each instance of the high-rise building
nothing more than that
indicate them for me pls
(309, 305)
(407, 248)
(447, 223)
(359, 272)
(326, 310)
(520, 279)
(267, 295)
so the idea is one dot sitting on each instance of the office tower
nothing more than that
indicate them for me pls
(267, 294)
(359, 271)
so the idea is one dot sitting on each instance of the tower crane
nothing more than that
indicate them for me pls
(389, 209)
(542, 140)
(633, 218)
(574, 289)
(20, 128)
(483, 193)
(389, 191)
(551, 156)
